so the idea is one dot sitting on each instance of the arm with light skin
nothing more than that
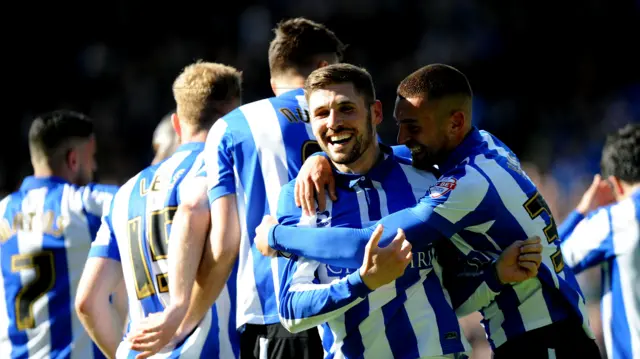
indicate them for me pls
(102, 321)
(101, 277)
(120, 302)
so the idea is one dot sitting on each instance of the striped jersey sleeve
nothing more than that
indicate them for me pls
(219, 161)
(590, 242)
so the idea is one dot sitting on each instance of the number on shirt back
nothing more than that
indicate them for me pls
(156, 243)
(308, 148)
(45, 277)
(535, 206)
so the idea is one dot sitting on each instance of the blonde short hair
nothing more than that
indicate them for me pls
(206, 91)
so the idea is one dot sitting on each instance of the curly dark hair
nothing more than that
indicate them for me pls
(621, 154)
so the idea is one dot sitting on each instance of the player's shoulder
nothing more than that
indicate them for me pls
(127, 188)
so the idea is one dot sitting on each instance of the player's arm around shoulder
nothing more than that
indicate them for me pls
(455, 201)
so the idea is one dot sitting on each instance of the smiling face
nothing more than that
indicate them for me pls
(344, 125)
(423, 129)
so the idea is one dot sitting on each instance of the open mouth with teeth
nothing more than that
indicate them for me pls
(340, 139)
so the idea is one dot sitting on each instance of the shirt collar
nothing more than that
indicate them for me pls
(377, 173)
(32, 182)
(191, 146)
(465, 149)
(292, 93)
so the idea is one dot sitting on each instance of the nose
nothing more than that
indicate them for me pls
(334, 120)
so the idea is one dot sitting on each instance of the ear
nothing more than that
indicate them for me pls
(72, 159)
(457, 121)
(272, 81)
(618, 190)
(175, 121)
(377, 112)
(322, 63)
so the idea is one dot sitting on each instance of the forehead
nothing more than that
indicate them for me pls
(407, 107)
(334, 94)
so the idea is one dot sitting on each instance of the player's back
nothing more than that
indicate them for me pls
(140, 219)
(506, 206)
(46, 230)
(252, 152)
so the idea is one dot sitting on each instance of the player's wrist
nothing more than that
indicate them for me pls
(271, 240)
(492, 277)
(357, 282)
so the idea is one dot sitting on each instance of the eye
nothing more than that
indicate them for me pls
(413, 129)
(347, 109)
(320, 113)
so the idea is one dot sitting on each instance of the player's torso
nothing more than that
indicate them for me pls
(45, 236)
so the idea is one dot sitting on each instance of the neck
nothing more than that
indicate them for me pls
(284, 84)
(40, 171)
(452, 146)
(629, 189)
(363, 164)
(188, 136)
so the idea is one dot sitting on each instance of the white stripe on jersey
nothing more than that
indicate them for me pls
(267, 135)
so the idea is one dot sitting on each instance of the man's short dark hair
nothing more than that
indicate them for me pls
(52, 133)
(434, 82)
(621, 154)
(338, 74)
(298, 43)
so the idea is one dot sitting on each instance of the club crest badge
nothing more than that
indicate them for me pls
(442, 187)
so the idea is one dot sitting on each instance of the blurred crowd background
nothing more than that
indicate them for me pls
(550, 78)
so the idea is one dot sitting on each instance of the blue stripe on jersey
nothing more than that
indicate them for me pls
(363, 199)
(57, 225)
(482, 190)
(610, 237)
(264, 143)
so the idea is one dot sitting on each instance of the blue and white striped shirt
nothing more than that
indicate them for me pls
(137, 229)
(46, 230)
(609, 237)
(483, 202)
(252, 152)
(411, 317)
